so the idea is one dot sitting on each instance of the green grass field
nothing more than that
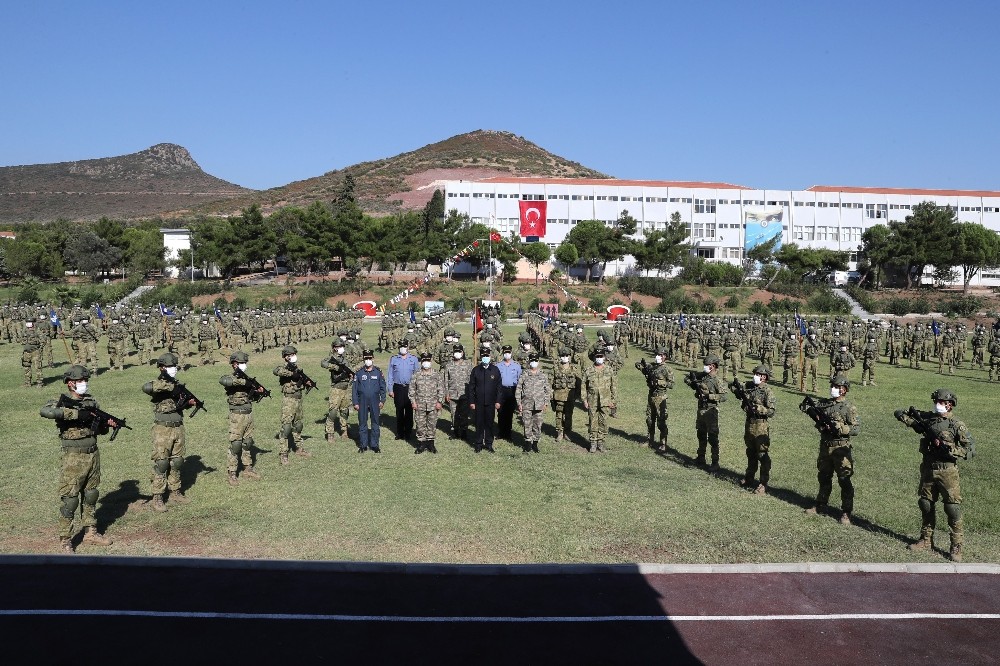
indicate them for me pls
(562, 505)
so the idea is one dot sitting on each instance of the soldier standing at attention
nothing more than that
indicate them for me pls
(87, 335)
(841, 422)
(944, 439)
(368, 396)
(790, 356)
(168, 433)
(31, 353)
(601, 388)
(426, 397)
(842, 361)
(994, 350)
(759, 408)
(456, 379)
(401, 369)
(81, 460)
(208, 341)
(240, 398)
(710, 391)
(341, 374)
(659, 378)
(869, 357)
(117, 335)
(293, 383)
(811, 350)
(565, 384)
(510, 373)
(946, 353)
(483, 396)
(532, 394)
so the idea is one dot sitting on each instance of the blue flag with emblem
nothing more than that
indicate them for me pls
(53, 317)
(684, 321)
(935, 327)
(165, 312)
(100, 312)
(218, 315)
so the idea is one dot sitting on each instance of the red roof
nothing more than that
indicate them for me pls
(895, 190)
(612, 182)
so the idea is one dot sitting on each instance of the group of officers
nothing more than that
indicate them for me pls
(432, 373)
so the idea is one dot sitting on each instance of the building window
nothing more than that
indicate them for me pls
(704, 205)
(876, 211)
(533, 197)
(613, 198)
(706, 252)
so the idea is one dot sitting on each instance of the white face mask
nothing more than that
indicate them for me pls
(28, 324)
(527, 346)
(448, 338)
(757, 379)
(599, 360)
(369, 362)
(293, 358)
(426, 365)
(457, 355)
(939, 407)
(610, 347)
(339, 350)
(564, 359)
(507, 356)
(81, 387)
(533, 364)
(172, 371)
(834, 391)
(486, 345)
(485, 360)
(658, 359)
(343, 338)
(242, 367)
(707, 368)
(403, 350)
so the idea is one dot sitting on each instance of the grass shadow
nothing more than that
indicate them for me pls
(115, 504)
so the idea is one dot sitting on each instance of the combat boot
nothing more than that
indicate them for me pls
(955, 554)
(845, 518)
(303, 453)
(926, 542)
(559, 436)
(331, 437)
(66, 544)
(233, 481)
(178, 497)
(251, 473)
(534, 447)
(283, 457)
(91, 535)
(158, 504)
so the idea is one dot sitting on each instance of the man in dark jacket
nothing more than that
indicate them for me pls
(483, 396)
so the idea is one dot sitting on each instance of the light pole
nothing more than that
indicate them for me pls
(489, 276)
(191, 246)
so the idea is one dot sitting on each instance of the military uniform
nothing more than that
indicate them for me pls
(167, 433)
(811, 350)
(241, 429)
(117, 341)
(341, 374)
(835, 456)
(710, 391)
(565, 386)
(31, 354)
(659, 378)
(426, 397)
(759, 407)
(368, 391)
(944, 440)
(293, 384)
(208, 342)
(790, 358)
(600, 385)
(869, 357)
(532, 394)
(456, 378)
(946, 353)
(86, 336)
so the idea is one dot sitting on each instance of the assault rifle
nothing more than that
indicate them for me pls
(301, 377)
(98, 417)
(736, 386)
(811, 409)
(183, 396)
(257, 390)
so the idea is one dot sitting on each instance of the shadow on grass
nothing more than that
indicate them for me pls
(115, 504)
(193, 468)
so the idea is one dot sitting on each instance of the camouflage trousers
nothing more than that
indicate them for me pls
(240, 441)
(915, 356)
(790, 375)
(31, 361)
(425, 422)
(116, 355)
(868, 372)
(291, 423)
(168, 456)
(145, 346)
(994, 367)
(757, 439)
(339, 411)
(563, 410)
(47, 353)
(207, 350)
(707, 427)
(532, 421)
(731, 360)
(459, 416)
(597, 426)
(88, 355)
(835, 458)
(940, 481)
(78, 480)
(947, 358)
(810, 370)
(656, 416)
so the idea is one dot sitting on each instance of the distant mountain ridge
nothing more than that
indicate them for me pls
(164, 180)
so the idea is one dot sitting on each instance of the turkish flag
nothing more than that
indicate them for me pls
(533, 218)
(477, 321)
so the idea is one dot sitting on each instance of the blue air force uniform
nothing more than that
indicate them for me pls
(368, 396)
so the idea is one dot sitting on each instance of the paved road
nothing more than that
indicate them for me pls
(118, 610)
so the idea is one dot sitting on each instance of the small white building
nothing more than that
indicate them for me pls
(175, 240)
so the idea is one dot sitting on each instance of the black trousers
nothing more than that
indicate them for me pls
(484, 424)
(404, 409)
(505, 420)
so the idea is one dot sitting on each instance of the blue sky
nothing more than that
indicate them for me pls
(780, 95)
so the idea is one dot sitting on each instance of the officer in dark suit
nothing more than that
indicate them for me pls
(483, 396)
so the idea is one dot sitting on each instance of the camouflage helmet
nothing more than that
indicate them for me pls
(167, 360)
(712, 359)
(76, 373)
(449, 331)
(840, 379)
(288, 350)
(524, 336)
(565, 351)
(239, 357)
(762, 370)
(661, 351)
(945, 395)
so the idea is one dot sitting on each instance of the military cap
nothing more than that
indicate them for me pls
(565, 351)
(602, 335)
(484, 351)
(506, 348)
(449, 331)
(458, 348)
(167, 359)
(712, 359)
(426, 356)
(368, 353)
(661, 351)
(945, 395)
(840, 379)
(524, 336)
(76, 373)
(762, 370)
(405, 342)
(238, 357)
(288, 350)
(533, 356)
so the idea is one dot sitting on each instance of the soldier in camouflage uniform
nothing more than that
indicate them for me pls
(946, 351)
(456, 379)
(732, 359)
(533, 393)
(168, 433)
(31, 353)
(869, 357)
(565, 386)
(341, 374)
(710, 391)
(839, 423)
(994, 350)
(47, 332)
(240, 400)
(81, 460)
(811, 350)
(208, 341)
(145, 334)
(944, 440)
(841, 361)
(426, 397)
(293, 384)
(86, 336)
(600, 385)
(659, 379)
(759, 408)
(117, 336)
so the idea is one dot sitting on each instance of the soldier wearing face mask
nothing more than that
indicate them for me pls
(401, 369)
(31, 353)
(532, 394)
(293, 383)
(341, 374)
(483, 395)
(368, 395)
(240, 398)
(565, 386)
(759, 407)
(426, 398)
(838, 423)
(710, 391)
(659, 378)
(456, 377)
(600, 385)
(944, 440)
(168, 433)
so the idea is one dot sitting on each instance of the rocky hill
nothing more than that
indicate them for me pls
(162, 178)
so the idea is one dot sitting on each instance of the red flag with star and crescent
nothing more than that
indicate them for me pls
(533, 218)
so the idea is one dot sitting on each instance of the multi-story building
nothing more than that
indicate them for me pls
(717, 214)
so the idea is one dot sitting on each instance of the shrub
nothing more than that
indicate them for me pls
(920, 305)
(897, 306)
(597, 303)
(826, 302)
(637, 307)
(758, 308)
(733, 301)
(708, 306)
(569, 307)
(965, 306)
